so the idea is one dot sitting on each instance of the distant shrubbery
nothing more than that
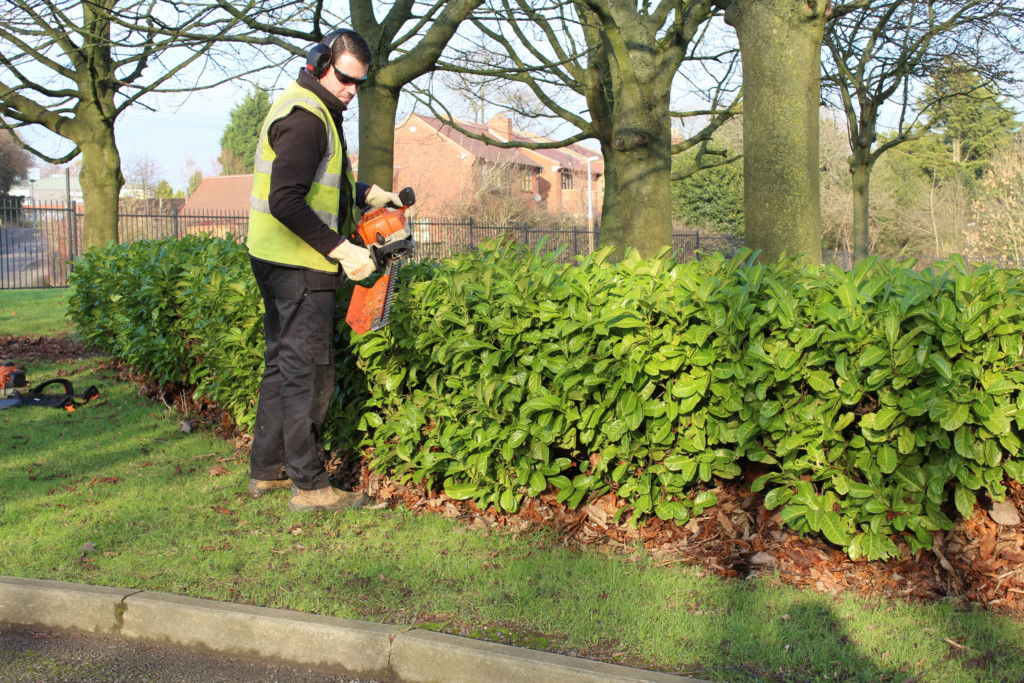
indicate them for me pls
(873, 405)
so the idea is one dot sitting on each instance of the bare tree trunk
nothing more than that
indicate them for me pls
(860, 168)
(628, 98)
(931, 214)
(100, 177)
(780, 45)
(637, 207)
(378, 109)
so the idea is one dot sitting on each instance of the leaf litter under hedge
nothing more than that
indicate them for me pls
(876, 405)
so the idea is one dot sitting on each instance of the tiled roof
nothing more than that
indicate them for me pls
(221, 193)
(571, 157)
(481, 150)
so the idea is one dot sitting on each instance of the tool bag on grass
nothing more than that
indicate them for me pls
(13, 386)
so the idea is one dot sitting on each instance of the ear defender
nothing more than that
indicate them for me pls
(320, 55)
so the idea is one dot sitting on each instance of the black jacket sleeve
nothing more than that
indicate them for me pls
(299, 141)
(361, 190)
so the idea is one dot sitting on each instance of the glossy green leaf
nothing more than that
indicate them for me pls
(459, 491)
(964, 499)
(887, 459)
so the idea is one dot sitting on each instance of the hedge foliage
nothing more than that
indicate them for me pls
(873, 406)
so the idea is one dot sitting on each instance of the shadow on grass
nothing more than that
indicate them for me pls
(167, 524)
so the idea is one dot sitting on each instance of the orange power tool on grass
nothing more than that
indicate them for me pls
(386, 235)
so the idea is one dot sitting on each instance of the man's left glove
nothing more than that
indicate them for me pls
(376, 198)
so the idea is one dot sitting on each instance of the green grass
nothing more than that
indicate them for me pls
(34, 313)
(121, 474)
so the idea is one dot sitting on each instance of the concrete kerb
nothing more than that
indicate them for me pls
(340, 645)
(61, 606)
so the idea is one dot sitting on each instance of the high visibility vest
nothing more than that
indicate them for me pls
(269, 239)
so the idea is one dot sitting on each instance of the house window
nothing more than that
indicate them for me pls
(566, 180)
(526, 183)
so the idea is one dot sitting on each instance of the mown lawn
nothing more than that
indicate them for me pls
(34, 312)
(117, 493)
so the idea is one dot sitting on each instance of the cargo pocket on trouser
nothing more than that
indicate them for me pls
(321, 319)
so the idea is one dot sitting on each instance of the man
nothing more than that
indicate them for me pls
(303, 206)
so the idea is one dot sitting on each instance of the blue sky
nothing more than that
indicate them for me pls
(176, 132)
(182, 130)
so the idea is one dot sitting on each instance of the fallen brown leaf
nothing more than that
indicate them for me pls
(221, 510)
(217, 471)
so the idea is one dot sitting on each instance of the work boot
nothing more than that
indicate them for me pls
(327, 498)
(257, 487)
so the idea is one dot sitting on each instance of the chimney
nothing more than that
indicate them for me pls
(501, 127)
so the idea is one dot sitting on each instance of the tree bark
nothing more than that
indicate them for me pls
(378, 109)
(860, 168)
(101, 181)
(637, 206)
(394, 66)
(780, 47)
(93, 131)
(628, 91)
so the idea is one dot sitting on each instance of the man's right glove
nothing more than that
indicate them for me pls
(354, 259)
(377, 197)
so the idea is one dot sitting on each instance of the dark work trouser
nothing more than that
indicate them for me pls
(299, 377)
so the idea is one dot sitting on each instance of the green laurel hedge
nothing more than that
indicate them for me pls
(874, 404)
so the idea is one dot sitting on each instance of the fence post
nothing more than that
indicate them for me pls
(526, 235)
(697, 248)
(176, 237)
(472, 244)
(73, 223)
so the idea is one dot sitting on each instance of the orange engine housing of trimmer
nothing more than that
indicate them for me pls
(385, 233)
(387, 237)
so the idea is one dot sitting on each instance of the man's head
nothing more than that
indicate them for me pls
(341, 62)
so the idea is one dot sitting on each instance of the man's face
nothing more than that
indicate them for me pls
(344, 85)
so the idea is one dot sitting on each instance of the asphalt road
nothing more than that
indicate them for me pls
(22, 260)
(34, 657)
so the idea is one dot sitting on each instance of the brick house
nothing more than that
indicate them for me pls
(452, 173)
(219, 206)
(457, 177)
(221, 193)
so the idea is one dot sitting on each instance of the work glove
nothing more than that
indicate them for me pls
(354, 259)
(376, 198)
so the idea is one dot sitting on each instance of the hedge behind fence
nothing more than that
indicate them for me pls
(874, 405)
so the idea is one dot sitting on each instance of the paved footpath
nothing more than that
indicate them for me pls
(303, 642)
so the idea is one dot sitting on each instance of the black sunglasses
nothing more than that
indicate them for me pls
(345, 79)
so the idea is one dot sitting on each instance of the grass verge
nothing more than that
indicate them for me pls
(118, 494)
(34, 312)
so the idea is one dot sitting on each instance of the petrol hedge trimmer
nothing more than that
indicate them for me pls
(388, 238)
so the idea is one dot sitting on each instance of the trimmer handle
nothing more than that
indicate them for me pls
(408, 197)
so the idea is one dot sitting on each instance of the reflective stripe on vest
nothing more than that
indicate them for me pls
(269, 239)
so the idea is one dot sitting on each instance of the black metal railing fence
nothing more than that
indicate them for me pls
(437, 239)
(39, 244)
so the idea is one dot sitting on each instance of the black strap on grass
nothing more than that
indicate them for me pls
(38, 396)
